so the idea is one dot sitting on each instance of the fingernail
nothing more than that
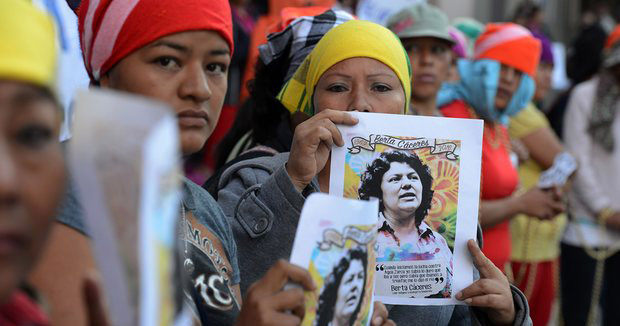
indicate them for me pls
(378, 320)
(468, 300)
(459, 295)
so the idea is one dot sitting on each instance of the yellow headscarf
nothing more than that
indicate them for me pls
(355, 38)
(27, 44)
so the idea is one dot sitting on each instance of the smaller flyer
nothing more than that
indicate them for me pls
(335, 241)
(124, 159)
(425, 173)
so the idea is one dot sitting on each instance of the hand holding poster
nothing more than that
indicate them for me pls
(425, 171)
(335, 241)
(124, 158)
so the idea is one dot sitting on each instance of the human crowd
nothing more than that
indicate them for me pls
(280, 84)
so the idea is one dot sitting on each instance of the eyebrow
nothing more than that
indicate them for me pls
(219, 52)
(338, 74)
(385, 74)
(175, 46)
(185, 49)
(380, 74)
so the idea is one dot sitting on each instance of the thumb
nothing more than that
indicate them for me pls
(484, 265)
(93, 298)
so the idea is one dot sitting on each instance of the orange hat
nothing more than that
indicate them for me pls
(510, 44)
(613, 38)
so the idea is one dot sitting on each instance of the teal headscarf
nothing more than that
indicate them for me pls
(478, 87)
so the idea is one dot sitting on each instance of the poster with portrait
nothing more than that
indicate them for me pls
(425, 173)
(335, 241)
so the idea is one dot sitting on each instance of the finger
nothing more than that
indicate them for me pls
(479, 287)
(389, 322)
(484, 265)
(557, 206)
(284, 319)
(93, 298)
(486, 301)
(335, 133)
(379, 314)
(340, 117)
(279, 274)
(301, 276)
(291, 299)
(325, 136)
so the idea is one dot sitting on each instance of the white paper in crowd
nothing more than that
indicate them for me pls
(124, 158)
(71, 74)
(379, 11)
(559, 79)
(564, 165)
(425, 171)
(335, 241)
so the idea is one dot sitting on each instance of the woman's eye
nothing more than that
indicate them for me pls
(382, 88)
(34, 136)
(217, 68)
(337, 88)
(439, 49)
(411, 48)
(167, 62)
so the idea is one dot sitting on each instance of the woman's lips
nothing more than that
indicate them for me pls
(193, 119)
(426, 78)
(352, 299)
(503, 93)
(11, 244)
(407, 195)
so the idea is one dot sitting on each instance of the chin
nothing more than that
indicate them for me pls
(192, 142)
(407, 209)
(424, 93)
(500, 105)
(8, 284)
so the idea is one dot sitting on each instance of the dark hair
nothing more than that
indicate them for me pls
(526, 11)
(329, 294)
(372, 178)
(262, 113)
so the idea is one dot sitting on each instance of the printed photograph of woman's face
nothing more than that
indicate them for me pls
(403, 183)
(342, 295)
(402, 190)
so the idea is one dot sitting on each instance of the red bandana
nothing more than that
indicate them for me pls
(112, 29)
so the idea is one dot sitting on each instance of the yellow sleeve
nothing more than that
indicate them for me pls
(527, 121)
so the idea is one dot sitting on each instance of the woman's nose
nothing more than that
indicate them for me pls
(359, 101)
(195, 85)
(8, 179)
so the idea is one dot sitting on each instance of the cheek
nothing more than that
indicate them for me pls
(218, 86)
(43, 186)
(392, 103)
(139, 78)
(328, 100)
(418, 185)
(444, 66)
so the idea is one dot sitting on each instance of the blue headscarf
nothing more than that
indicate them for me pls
(478, 87)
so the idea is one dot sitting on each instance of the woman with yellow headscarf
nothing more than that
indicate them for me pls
(32, 169)
(357, 66)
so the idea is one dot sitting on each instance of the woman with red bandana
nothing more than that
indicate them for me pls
(178, 53)
(497, 84)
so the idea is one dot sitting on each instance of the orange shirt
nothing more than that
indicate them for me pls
(499, 179)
